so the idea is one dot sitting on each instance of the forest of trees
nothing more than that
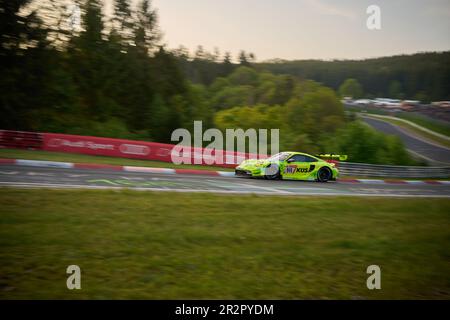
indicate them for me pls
(114, 78)
(310, 116)
(421, 76)
(116, 82)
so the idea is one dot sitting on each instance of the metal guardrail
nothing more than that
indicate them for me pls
(385, 171)
(33, 140)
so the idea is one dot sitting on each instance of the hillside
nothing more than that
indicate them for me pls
(422, 76)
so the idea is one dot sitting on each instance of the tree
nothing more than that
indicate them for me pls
(428, 73)
(92, 35)
(98, 84)
(351, 88)
(366, 145)
(243, 59)
(251, 57)
(147, 35)
(317, 112)
(23, 54)
(87, 60)
(227, 66)
(243, 76)
(200, 53)
(18, 31)
(122, 21)
(216, 54)
(182, 53)
(159, 119)
(395, 90)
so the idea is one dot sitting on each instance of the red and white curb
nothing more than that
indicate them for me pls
(392, 181)
(70, 165)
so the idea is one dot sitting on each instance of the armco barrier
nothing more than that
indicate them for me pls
(171, 171)
(163, 152)
(373, 170)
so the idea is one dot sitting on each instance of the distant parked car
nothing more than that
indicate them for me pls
(363, 102)
(441, 104)
(387, 102)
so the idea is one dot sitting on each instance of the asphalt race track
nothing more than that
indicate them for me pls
(41, 177)
(427, 150)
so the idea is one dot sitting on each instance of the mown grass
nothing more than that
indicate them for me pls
(427, 123)
(144, 245)
(82, 158)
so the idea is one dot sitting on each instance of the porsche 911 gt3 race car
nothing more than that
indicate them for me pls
(292, 166)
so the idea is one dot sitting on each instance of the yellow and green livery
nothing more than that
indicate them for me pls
(292, 166)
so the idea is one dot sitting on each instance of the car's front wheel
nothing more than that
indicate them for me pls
(272, 172)
(324, 174)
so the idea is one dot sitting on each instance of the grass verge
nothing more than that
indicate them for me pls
(427, 123)
(82, 158)
(421, 120)
(415, 131)
(139, 245)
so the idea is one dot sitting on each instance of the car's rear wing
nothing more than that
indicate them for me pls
(332, 157)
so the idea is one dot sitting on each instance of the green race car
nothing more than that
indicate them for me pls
(291, 166)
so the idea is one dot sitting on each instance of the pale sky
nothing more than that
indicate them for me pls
(305, 29)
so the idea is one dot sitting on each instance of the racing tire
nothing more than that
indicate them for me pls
(274, 174)
(324, 174)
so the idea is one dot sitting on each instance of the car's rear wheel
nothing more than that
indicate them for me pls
(272, 172)
(324, 174)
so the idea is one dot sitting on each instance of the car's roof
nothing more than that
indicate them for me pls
(296, 152)
(302, 153)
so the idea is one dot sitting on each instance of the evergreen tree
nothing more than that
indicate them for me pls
(147, 34)
(123, 21)
(243, 60)
(22, 45)
(227, 65)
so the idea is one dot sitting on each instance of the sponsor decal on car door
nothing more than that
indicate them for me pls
(298, 168)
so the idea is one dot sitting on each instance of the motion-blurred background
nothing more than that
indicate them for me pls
(105, 69)
(140, 69)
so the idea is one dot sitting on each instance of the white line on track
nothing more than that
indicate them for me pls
(131, 178)
(9, 172)
(262, 188)
(371, 181)
(46, 174)
(76, 175)
(226, 173)
(149, 170)
(66, 186)
(47, 164)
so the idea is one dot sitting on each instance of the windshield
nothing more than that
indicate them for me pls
(279, 156)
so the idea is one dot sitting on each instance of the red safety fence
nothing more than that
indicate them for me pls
(20, 139)
(120, 148)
